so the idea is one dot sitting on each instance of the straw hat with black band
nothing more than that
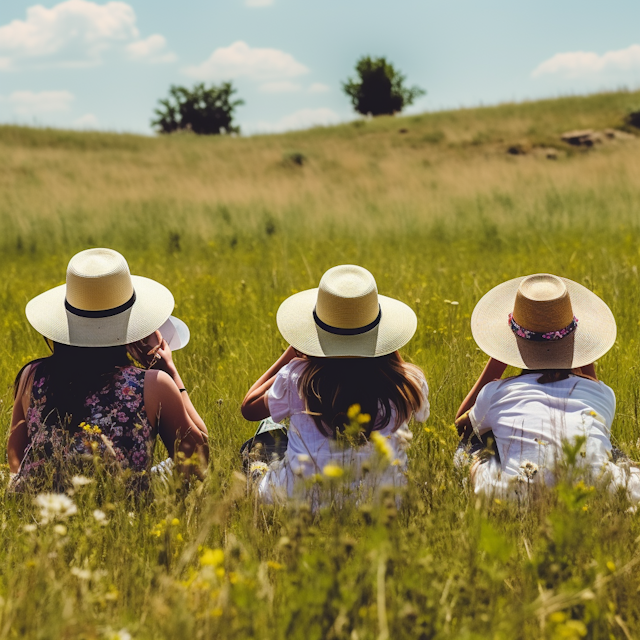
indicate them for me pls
(543, 321)
(345, 317)
(101, 304)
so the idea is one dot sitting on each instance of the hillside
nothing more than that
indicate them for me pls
(440, 211)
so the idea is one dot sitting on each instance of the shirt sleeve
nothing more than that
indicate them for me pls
(479, 413)
(280, 395)
(422, 414)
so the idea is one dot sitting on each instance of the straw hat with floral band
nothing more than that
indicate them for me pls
(543, 321)
(101, 304)
(345, 317)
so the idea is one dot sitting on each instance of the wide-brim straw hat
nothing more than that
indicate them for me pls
(101, 304)
(345, 317)
(543, 321)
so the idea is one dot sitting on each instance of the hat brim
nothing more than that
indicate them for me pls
(592, 338)
(48, 315)
(176, 333)
(398, 323)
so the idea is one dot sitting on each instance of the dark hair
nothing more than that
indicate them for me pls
(72, 374)
(330, 386)
(548, 376)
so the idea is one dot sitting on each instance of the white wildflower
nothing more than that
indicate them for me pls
(132, 517)
(80, 481)
(30, 528)
(55, 506)
(100, 517)
(81, 574)
(528, 470)
(60, 529)
(304, 457)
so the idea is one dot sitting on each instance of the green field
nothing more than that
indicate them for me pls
(439, 212)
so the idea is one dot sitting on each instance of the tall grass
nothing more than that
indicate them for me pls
(440, 213)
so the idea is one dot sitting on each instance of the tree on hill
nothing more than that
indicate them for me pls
(207, 111)
(379, 88)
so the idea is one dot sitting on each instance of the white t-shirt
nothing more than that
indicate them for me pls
(530, 421)
(309, 451)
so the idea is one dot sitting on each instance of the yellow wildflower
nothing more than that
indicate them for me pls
(276, 566)
(353, 412)
(332, 470)
(212, 557)
(382, 446)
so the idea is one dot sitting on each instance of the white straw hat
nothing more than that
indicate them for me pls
(345, 316)
(543, 322)
(101, 304)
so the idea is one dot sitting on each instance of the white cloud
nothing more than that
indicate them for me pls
(578, 64)
(71, 33)
(241, 61)
(152, 49)
(282, 86)
(318, 87)
(258, 3)
(30, 103)
(87, 121)
(303, 119)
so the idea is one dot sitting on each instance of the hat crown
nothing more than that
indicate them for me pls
(347, 297)
(98, 279)
(543, 303)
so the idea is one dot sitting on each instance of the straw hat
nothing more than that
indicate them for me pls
(543, 322)
(345, 316)
(101, 305)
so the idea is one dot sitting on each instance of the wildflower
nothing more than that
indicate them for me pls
(528, 470)
(212, 557)
(80, 481)
(276, 566)
(303, 457)
(382, 446)
(81, 574)
(100, 517)
(60, 529)
(257, 469)
(611, 566)
(55, 506)
(353, 412)
(132, 517)
(332, 470)
(30, 528)
(95, 429)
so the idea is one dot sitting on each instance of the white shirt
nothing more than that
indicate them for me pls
(530, 421)
(309, 451)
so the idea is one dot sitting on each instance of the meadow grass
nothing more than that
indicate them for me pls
(439, 213)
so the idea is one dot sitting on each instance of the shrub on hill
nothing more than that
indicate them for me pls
(202, 110)
(379, 88)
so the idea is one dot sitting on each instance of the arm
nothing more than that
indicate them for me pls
(492, 371)
(165, 363)
(254, 406)
(18, 435)
(167, 410)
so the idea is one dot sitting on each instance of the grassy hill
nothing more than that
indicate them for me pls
(439, 211)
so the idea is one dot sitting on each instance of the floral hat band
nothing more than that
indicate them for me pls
(539, 336)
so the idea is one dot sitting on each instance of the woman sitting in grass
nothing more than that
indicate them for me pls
(554, 330)
(343, 385)
(86, 400)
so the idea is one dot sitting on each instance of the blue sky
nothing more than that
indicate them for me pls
(103, 65)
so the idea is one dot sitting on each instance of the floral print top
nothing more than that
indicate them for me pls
(116, 428)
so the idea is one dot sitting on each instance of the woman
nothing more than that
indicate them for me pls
(86, 398)
(344, 339)
(553, 329)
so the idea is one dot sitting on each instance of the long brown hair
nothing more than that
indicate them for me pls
(330, 386)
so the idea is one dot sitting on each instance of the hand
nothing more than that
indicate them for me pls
(163, 358)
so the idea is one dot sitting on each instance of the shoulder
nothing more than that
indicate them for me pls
(158, 381)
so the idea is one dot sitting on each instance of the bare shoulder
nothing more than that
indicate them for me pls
(159, 382)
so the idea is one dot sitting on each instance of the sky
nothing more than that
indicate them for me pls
(103, 65)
